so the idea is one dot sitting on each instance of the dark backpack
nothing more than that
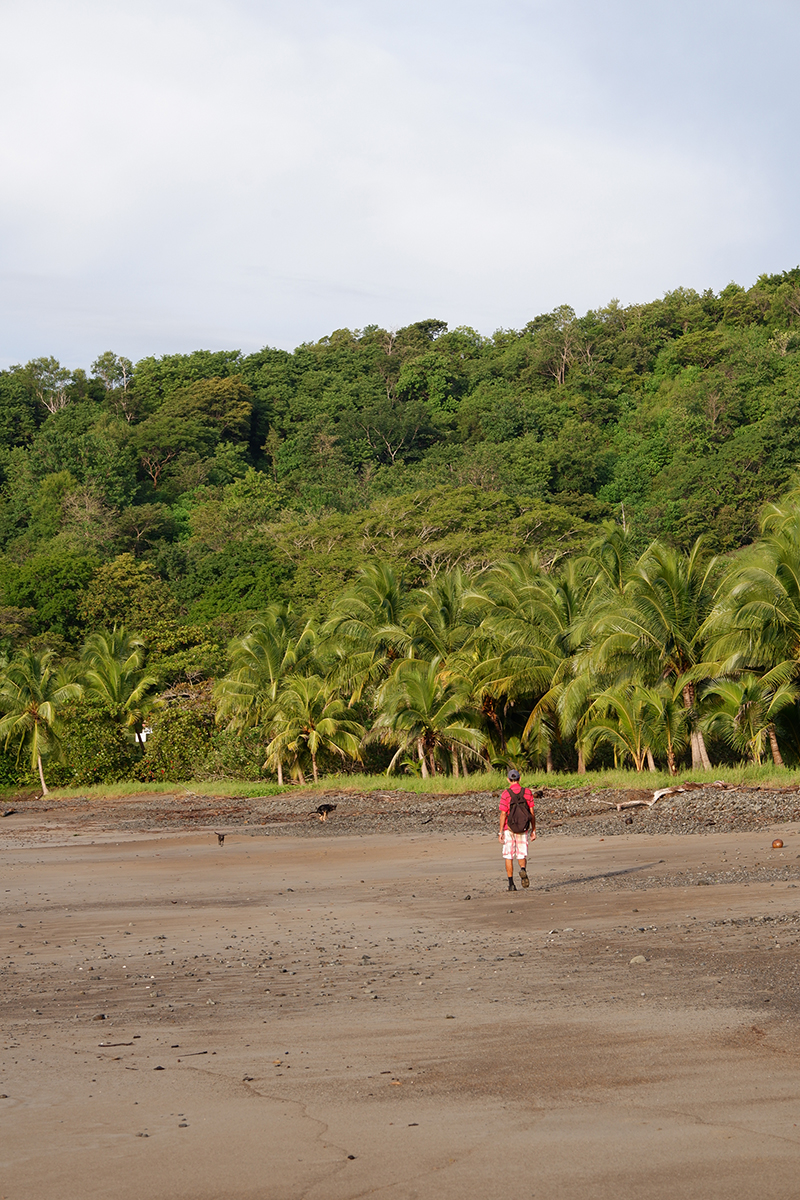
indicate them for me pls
(518, 819)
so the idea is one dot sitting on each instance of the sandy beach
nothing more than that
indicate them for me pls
(372, 1014)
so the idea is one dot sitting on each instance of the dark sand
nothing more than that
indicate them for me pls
(335, 1019)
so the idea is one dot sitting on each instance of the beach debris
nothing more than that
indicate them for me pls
(9, 812)
(777, 844)
(324, 809)
(637, 958)
(638, 800)
(220, 837)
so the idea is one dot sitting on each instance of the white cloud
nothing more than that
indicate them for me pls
(188, 174)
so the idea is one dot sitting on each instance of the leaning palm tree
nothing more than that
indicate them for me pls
(32, 690)
(309, 718)
(424, 712)
(112, 672)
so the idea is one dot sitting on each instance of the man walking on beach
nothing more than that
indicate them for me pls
(517, 816)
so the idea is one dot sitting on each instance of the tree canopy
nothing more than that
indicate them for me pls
(550, 514)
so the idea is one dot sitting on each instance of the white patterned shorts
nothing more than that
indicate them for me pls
(515, 845)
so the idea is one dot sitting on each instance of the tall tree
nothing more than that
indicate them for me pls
(654, 631)
(262, 661)
(425, 713)
(743, 712)
(113, 674)
(366, 630)
(32, 691)
(309, 718)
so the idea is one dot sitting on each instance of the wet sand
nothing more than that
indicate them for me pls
(341, 1016)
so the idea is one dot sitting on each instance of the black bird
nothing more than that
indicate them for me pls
(324, 809)
(220, 838)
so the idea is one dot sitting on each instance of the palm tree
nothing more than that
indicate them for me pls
(655, 631)
(423, 711)
(528, 616)
(308, 717)
(112, 673)
(638, 722)
(744, 711)
(274, 648)
(622, 717)
(755, 622)
(32, 690)
(670, 722)
(365, 631)
(443, 617)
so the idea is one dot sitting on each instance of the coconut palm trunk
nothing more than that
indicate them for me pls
(773, 744)
(700, 759)
(45, 788)
(32, 693)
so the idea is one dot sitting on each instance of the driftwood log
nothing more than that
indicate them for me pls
(637, 801)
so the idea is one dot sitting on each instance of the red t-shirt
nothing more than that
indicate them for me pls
(505, 799)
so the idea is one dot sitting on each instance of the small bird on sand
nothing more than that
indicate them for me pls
(324, 809)
(220, 837)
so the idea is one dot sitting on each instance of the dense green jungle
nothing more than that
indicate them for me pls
(571, 545)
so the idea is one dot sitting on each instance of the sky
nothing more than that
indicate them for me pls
(203, 174)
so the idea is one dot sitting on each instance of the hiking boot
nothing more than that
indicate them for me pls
(523, 877)
(512, 887)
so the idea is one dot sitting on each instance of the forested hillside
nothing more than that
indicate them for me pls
(182, 498)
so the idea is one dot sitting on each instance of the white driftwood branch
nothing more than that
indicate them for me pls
(670, 791)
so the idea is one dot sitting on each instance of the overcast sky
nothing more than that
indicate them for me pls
(241, 173)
